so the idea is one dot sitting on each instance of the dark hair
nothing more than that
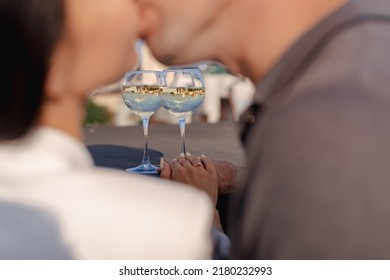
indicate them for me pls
(29, 30)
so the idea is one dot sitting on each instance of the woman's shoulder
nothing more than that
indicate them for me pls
(174, 219)
(152, 193)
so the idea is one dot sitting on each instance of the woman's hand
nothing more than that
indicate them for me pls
(199, 172)
(227, 173)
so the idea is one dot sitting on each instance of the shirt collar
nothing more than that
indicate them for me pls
(295, 59)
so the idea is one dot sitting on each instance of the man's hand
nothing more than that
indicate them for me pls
(227, 176)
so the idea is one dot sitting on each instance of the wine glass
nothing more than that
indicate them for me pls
(182, 94)
(140, 93)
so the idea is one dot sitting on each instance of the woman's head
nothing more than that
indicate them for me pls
(29, 31)
(55, 52)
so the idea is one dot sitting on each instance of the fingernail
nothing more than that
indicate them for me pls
(188, 154)
(182, 155)
(161, 163)
(203, 156)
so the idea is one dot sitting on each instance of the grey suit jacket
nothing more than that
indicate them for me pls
(318, 146)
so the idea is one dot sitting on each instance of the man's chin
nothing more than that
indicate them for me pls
(175, 59)
(175, 56)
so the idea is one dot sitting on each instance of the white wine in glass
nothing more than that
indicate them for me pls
(182, 95)
(140, 93)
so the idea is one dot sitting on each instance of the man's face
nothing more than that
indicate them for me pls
(181, 31)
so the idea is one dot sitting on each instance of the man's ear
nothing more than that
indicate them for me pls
(56, 77)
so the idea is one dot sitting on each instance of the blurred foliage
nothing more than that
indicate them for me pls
(96, 114)
(216, 69)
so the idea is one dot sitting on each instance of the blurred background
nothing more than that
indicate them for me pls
(227, 97)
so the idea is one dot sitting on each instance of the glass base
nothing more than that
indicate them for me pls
(143, 169)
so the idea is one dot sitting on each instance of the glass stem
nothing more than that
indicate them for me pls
(182, 124)
(145, 123)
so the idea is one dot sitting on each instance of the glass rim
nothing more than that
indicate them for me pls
(182, 70)
(159, 76)
(128, 73)
(196, 74)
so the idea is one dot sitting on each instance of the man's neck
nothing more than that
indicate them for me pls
(268, 29)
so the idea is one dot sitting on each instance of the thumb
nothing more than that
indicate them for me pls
(166, 171)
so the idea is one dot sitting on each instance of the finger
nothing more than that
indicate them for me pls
(185, 155)
(195, 161)
(166, 172)
(178, 172)
(161, 167)
(174, 164)
(184, 162)
(161, 163)
(208, 163)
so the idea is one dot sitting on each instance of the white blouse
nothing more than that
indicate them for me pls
(55, 204)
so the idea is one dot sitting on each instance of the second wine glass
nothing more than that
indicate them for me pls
(140, 93)
(182, 94)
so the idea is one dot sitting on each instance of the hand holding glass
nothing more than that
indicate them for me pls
(140, 93)
(182, 94)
